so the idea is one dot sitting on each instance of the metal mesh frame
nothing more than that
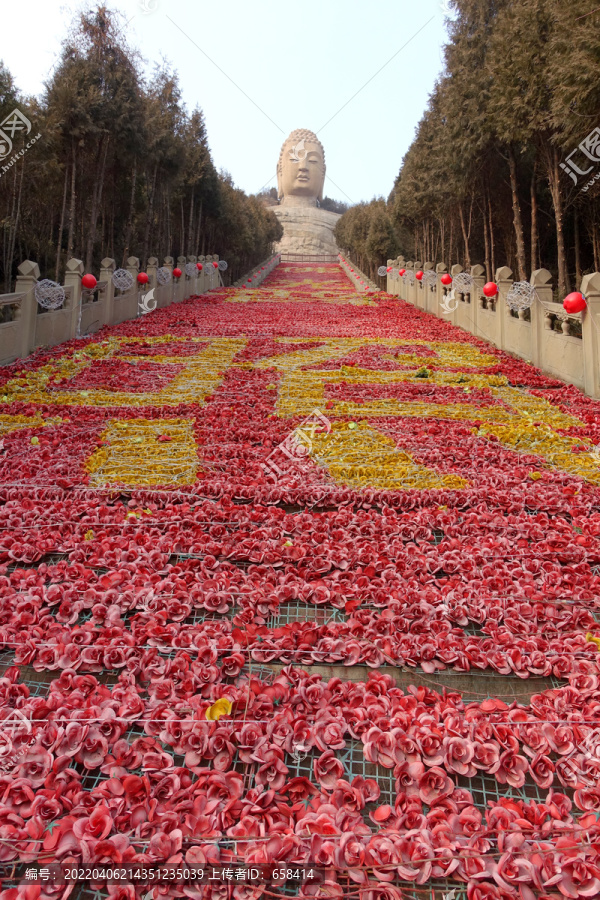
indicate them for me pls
(300, 611)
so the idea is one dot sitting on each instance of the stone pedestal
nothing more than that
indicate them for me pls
(307, 230)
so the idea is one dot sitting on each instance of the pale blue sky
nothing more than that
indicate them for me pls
(298, 63)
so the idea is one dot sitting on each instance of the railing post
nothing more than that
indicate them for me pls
(151, 270)
(504, 281)
(73, 273)
(133, 267)
(590, 317)
(194, 280)
(182, 287)
(454, 271)
(541, 280)
(202, 281)
(29, 273)
(214, 278)
(440, 289)
(390, 277)
(426, 293)
(478, 276)
(107, 267)
(168, 291)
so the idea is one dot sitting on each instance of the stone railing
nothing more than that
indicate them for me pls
(25, 327)
(257, 275)
(308, 258)
(358, 278)
(564, 345)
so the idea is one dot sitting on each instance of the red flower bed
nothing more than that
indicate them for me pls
(165, 596)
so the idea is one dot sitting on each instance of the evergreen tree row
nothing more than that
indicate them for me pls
(121, 168)
(482, 181)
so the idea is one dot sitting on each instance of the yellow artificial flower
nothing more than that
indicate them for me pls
(222, 707)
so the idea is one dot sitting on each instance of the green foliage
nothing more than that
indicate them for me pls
(481, 181)
(122, 168)
(366, 232)
(335, 206)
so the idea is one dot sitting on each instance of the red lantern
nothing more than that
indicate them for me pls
(389, 269)
(402, 272)
(574, 302)
(352, 270)
(89, 282)
(215, 265)
(176, 273)
(490, 289)
(199, 266)
(446, 279)
(143, 278)
(418, 275)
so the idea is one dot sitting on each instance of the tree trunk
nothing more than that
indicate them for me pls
(149, 215)
(492, 244)
(486, 242)
(129, 226)
(534, 221)
(96, 201)
(465, 234)
(191, 227)
(199, 231)
(12, 230)
(557, 202)
(517, 218)
(169, 247)
(71, 236)
(578, 275)
(62, 224)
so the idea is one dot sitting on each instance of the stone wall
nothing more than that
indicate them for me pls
(25, 327)
(565, 346)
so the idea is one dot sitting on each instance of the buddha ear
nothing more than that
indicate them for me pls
(279, 188)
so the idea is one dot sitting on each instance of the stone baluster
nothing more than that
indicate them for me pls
(541, 280)
(29, 273)
(590, 319)
(107, 268)
(504, 280)
(73, 273)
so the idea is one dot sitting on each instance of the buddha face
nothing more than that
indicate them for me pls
(302, 173)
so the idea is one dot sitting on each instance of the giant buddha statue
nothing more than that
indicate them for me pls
(307, 229)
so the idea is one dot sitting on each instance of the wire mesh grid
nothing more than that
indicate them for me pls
(484, 788)
(300, 611)
(352, 758)
(438, 889)
(263, 673)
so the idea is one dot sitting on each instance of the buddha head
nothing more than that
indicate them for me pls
(301, 169)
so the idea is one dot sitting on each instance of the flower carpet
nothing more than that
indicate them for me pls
(231, 530)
